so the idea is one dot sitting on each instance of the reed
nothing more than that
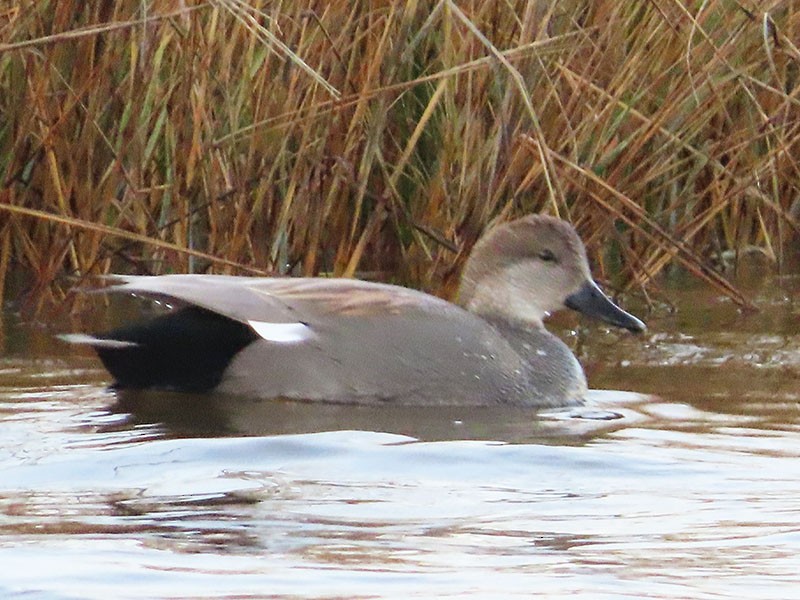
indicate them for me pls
(382, 137)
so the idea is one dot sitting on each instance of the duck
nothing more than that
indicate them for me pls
(359, 342)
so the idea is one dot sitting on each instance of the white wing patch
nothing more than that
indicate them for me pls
(282, 333)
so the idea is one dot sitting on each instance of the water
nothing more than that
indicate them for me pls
(686, 489)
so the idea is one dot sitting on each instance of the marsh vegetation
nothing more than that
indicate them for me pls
(381, 138)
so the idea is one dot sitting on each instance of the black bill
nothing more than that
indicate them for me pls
(591, 301)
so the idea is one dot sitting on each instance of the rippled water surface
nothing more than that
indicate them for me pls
(687, 489)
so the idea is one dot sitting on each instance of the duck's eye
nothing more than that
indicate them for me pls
(547, 255)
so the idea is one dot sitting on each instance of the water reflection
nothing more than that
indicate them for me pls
(189, 415)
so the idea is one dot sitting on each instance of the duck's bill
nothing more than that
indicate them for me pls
(591, 301)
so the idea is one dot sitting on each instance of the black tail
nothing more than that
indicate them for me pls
(187, 350)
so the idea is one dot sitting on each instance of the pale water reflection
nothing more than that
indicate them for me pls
(691, 493)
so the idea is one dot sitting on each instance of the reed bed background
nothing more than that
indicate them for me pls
(381, 138)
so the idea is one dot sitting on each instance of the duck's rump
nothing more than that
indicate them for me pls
(187, 349)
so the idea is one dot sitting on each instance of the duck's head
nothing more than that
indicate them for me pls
(525, 269)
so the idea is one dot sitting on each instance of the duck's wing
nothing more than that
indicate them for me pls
(283, 299)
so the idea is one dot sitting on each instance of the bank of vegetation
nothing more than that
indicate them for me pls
(381, 138)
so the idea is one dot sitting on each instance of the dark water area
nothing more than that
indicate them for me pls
(679, 479)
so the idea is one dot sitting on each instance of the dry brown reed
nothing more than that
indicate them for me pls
(344, 137)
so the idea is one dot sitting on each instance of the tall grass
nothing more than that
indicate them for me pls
(352, 137)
